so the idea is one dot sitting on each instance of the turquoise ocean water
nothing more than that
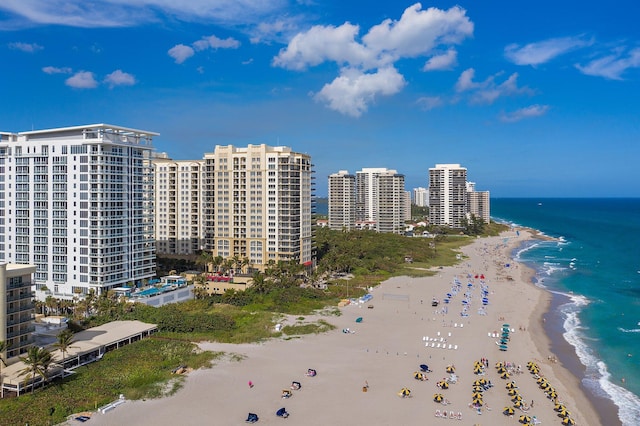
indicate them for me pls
(595, 271)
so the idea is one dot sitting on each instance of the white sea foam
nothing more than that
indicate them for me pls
(597, 377)
(633, 330)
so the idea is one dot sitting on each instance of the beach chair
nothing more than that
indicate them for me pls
(438, 413)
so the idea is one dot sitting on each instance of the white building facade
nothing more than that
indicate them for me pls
(342, 201)
(421, 197)
(179, 228)
(78, 203)
(447, 195)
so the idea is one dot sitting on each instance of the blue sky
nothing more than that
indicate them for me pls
(536, 99)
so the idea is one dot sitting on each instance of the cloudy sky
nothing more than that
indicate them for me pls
(540, 99)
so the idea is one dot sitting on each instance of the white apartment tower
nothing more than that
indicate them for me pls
(258, 203)
(77, 202)
(421, 197)
(342, 201)
(380, 199)
(447, 195)
(178, 205)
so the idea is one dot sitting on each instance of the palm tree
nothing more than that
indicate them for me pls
(37, 361)
(3, 348)
(65, 339)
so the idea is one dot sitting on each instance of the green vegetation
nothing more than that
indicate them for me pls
(140, 370)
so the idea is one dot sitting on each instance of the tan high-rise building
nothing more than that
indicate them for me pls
(178, 205)
(478, 203)
(16, 308)
(257, 204)
(342, 201)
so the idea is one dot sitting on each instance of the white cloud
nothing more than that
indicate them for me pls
(119, 78)
(56, 70)
(417, 33)
(126, 13)
(353, 90)
(445, 61)
(214, 42)
(488, 91)
(82, 80)
(522, 113)
(543, 51)
(612, 66)
(428, 103)
(181, 53)
(26, 47)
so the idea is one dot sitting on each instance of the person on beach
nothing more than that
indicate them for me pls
(250, 384)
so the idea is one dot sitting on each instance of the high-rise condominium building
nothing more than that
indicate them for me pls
(380, 199)
(16, 308)
(178, 205)
(447, 195)
(478, 203)
(77, 202)
(421, 197)
(342, 201)
(258, 204)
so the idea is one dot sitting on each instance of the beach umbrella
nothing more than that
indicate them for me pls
(502, 370)
(438, 397)
(544, 385)
(516, 398)
(483, 381)
(477, 395)
(508, 411)
(524, 419)
(503, 348)
(559, 407)
(477, 370)
(534, 370)
(531, 364)
(504, 376)
(418, 376)
(564, 413)
(552, 395)
(568, 421)
(511, 385)
(443, 384)
(450, 369)
(477, 402)
(404, 392)
(478, 383)
(513, 392)
(499, 364)
(517, 404)
(541, 380)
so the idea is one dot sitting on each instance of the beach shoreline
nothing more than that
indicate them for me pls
(385, 350)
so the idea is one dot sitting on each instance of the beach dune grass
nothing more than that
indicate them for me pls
(140, 370)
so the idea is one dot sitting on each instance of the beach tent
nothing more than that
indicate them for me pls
(282, 413)
(424, 368)
(508, 411)
(252, 418)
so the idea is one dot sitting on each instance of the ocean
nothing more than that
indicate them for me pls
(593, 272)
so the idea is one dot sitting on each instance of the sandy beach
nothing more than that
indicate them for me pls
(402, 331)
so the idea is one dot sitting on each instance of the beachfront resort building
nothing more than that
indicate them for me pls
(381, 203)
(178, 205)
(342, 201)
(16, 309)
(447, 195)
(478, 203)
(77, 202)
(258, 204)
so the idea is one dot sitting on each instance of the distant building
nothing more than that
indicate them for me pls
(16, 308)
(380, 200)
(421, 197)
(178, 205)
(77, 202)
(447, 195)
(342, 201)
(479, 203)
(407, 205)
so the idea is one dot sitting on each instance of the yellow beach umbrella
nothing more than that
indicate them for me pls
(517, 404)
(559, 407)
(502, 370)
(476, 395)
(504, 375)
(513, 392)
(450, 369)
(511, 385)
(516, 398)
(524, 419)
(508, 411)
(568, 421)
(438, 397)
(477, 401)
(499, 364)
